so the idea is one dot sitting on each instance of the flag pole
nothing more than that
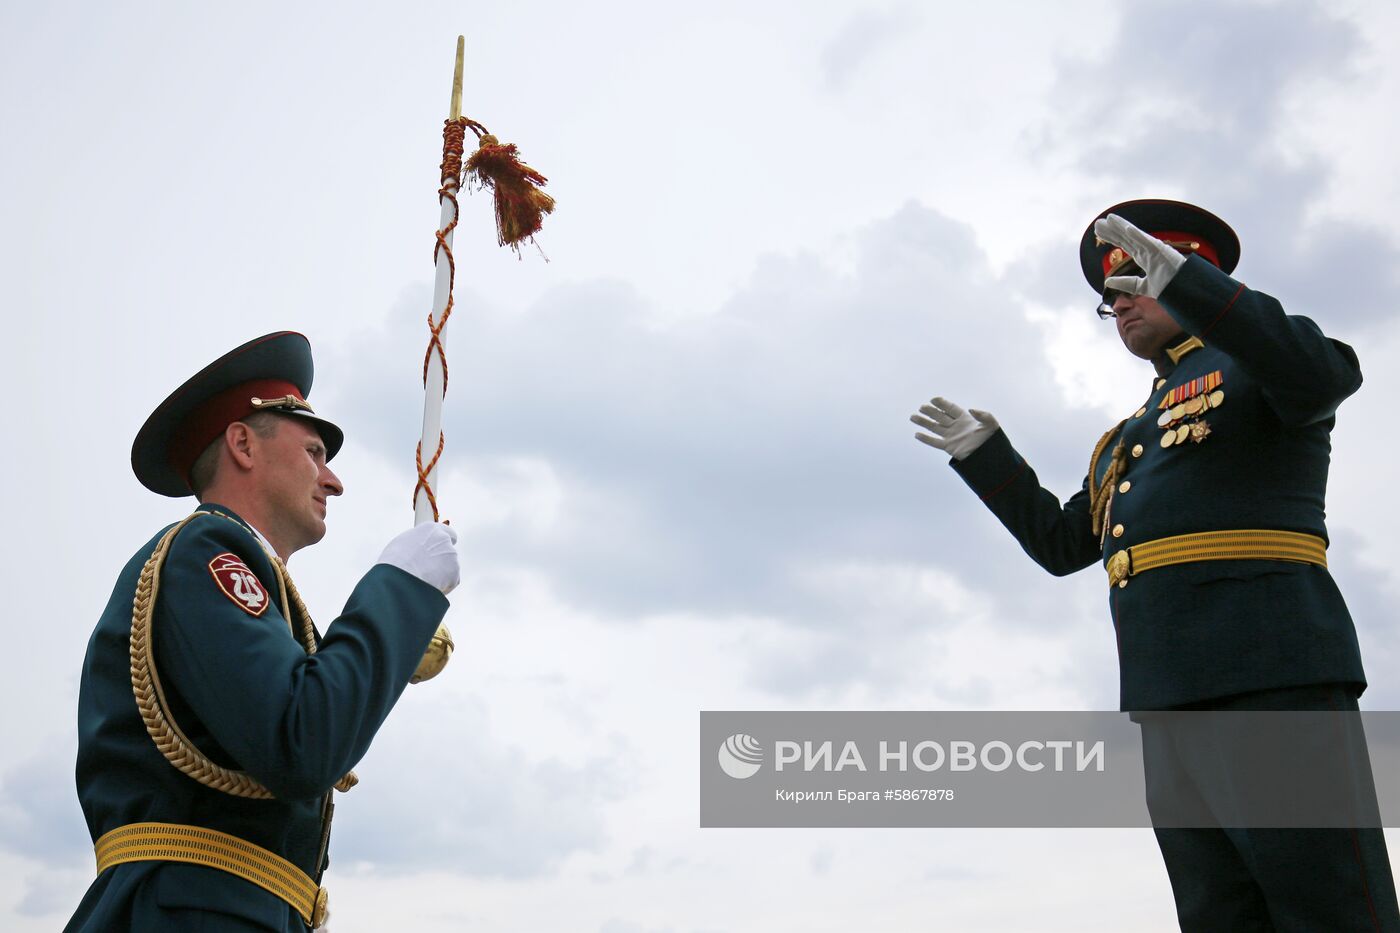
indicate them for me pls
(435, 373)
(435, 362)
(520, 208)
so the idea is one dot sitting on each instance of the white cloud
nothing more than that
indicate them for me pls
(862, 37)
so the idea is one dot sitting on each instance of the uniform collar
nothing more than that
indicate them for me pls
(1173, 354)
(1186, 346)
(230, 513)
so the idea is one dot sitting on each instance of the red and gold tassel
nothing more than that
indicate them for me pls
(520, 204)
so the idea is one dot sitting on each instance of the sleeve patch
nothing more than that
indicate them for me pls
(239, 583)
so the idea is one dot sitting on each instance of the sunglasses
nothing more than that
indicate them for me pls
(1111, 295)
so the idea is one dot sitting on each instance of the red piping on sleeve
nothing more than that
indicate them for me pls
(1228, 305)
(1019, 470)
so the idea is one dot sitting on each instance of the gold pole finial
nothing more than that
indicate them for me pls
(456, 109)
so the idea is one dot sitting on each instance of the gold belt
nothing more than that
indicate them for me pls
(172, 842)
(1251, 544)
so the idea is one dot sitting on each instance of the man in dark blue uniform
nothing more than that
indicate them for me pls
(213, 717)
(1205, 507)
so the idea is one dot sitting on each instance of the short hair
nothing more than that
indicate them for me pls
(262, 423)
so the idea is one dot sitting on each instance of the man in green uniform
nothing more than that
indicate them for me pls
(1205, 507)
(213, 718)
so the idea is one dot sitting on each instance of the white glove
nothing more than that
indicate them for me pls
(954, 431)
(429, 552)
(1158, 259)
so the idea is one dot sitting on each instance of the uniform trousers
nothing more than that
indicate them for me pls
(1238, 879)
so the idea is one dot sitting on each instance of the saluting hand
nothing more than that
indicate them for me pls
(951, 429)
(1156, 258)
(429, 552)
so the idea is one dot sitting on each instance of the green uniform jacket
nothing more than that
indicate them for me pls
(1193, 632)
(246, 694)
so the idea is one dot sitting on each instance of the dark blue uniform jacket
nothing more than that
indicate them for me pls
(1193, 632)
(244, 691)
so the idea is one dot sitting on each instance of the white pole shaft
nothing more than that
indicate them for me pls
(436, 380)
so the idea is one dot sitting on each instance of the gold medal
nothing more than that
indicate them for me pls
(1217, 398)
(1194, 406)
(1199, 431)
(1178, 412)
(1181, 433)
(1169, 438)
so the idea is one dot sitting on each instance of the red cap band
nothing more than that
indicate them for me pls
(209, 420)
(1186, 242)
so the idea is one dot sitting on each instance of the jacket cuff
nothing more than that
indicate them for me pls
(991, 467)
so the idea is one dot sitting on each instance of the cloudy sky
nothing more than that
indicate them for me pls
(677, 451)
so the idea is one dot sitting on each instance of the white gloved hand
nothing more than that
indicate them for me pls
(429, 552)
(1160, 261)
(952, 430)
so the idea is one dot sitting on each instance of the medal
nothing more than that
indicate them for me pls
(1190, 400)
(1198, 386)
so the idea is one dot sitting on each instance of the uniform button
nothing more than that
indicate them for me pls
(1125, 486)
(1117, 531)
(1140, 412)
(1122, 584)
(1137, 450)
(1161, 382)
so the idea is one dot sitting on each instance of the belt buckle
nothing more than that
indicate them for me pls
(1119, 568)
(322, 907)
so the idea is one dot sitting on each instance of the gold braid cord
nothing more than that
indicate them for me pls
(150, 696)
(1101, 494)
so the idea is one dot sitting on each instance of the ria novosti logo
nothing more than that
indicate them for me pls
(740, 755)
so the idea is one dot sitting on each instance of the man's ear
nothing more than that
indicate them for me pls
(238, 442)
